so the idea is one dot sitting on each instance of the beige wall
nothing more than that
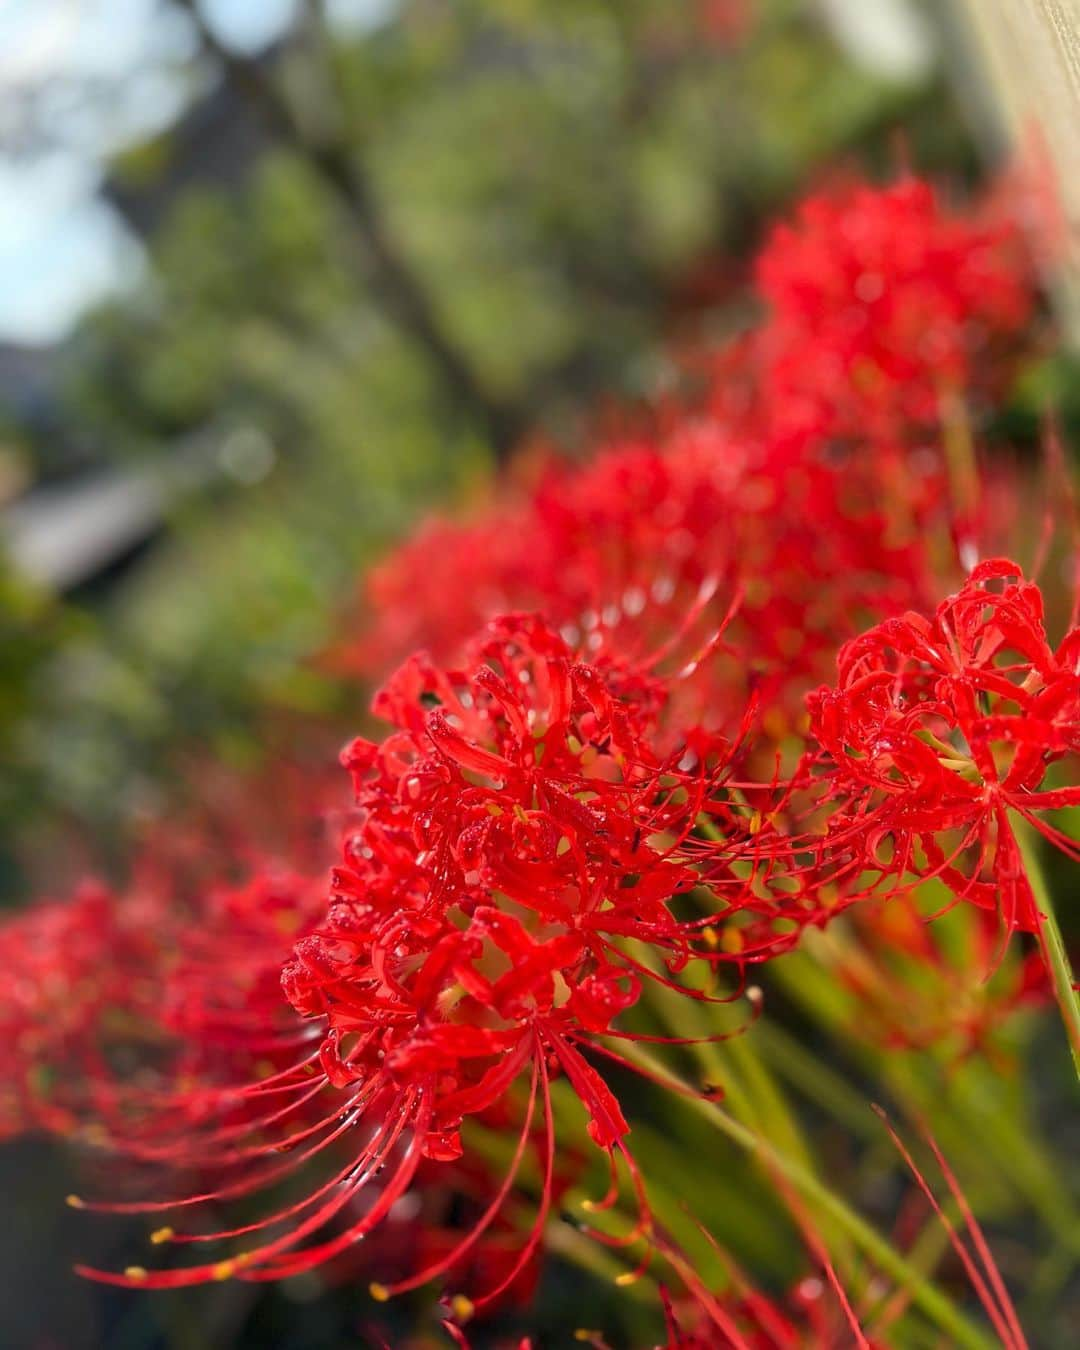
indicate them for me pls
(1028, 54)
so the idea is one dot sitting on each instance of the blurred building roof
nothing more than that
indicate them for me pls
(27, 379)
(64, 534)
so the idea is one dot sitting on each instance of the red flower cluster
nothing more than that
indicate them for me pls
(806, 480)
(882, 305)
(128, 1009)
(547, 834)
(507, 890)
(76, 971)
(653, 540)
(941, 732)
(924, 987)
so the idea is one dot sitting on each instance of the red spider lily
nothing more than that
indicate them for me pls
(519, 841)
(802, 481)
(880, 302)
(940, 735)
(821, 530)
(76, 970)
(614, 553)
(653, 540)
(918, 988)
(222, 992)
(115, 986)
(942, 728)
(120, 995)
(889, 317)
(547, 829)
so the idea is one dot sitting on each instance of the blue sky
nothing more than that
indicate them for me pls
(61, 247)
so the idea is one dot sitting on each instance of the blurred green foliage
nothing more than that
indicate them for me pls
(548, 174)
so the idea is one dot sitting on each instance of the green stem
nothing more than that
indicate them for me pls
(924, 1254)
(1051, 943)
(959, 446)
(815, 1080)
(772, 1112)
(888, 1260)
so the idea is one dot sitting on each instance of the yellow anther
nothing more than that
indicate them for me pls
(755, 823)
(224, 1270)
(379, 1292)
(462, 1307)
(627, 1277)
(76, 1202)
(732, 941)
(135, 1273)
(160, 1235)
(711, 936)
